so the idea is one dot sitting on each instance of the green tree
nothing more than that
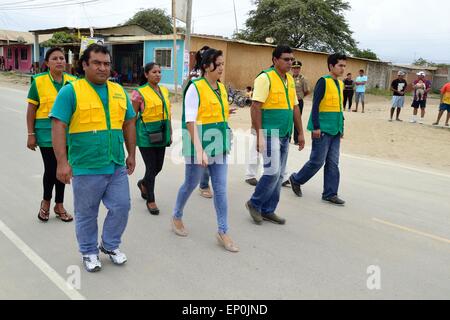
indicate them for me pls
(423, 63)
(307, 24)
(60, 38)
(155, 21)
(365, 54)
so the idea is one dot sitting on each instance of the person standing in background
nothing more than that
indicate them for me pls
(349, 91)
(361, 83)
(398, 87)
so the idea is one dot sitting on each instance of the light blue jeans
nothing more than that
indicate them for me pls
(88, 192)
(218, 169)
(267, 192)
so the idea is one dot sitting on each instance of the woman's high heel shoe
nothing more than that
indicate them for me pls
(179, 232)
(228, 246)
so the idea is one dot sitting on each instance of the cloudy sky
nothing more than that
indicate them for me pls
(397, 30)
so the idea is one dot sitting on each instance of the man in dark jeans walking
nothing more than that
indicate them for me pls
(327, 126)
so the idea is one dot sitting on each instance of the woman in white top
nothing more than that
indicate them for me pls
(206, 143)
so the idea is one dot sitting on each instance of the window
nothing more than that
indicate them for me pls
(163, 57)
(9, 54)
(23, 54)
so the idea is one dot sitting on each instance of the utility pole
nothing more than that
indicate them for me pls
(187, 40)
(175, 62)
(235, 16)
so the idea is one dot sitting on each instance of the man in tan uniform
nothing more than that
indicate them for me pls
(302, 88)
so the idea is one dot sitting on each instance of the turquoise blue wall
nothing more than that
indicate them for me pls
(167, 74)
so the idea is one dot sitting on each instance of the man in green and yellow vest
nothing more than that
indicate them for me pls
(100, 118)
(274, 110)
(327, 125)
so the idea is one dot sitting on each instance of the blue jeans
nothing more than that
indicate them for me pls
(88, 192)
(218, 171)
(267, 192)
(324, 151)
(204, 181)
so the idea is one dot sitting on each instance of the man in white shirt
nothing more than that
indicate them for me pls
(360, 83)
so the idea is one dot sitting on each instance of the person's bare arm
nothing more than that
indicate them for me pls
(64, 170)
(31, 116)
(256, 113)
(201, 155)
(298, 124)
(129, 132)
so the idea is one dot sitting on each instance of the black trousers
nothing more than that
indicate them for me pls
(301, 104)
(50, 180)
(348, 96)
(154, 161)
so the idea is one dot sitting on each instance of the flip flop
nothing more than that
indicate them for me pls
(64, 216)
(43, 215)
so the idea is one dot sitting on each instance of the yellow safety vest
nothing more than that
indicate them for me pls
(278, 109)
(95, 137)
(47, 93)
(157, 112)
(212, 120)
(155, 109)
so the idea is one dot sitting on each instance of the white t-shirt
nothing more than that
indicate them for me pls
(191, 104)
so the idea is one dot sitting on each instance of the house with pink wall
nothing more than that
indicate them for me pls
(16, 47)
(18, 57)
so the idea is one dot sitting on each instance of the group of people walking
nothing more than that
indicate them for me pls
(81, 126)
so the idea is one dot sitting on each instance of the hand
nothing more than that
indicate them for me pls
(232, 110)
(31, 143)
(202, 158)
(316, 134)
(260, 144)
(301, 142)
(64, 173)
(131, 165)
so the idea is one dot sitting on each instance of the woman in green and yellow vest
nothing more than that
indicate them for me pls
(43, 91)
(206, 143)
(153, 129)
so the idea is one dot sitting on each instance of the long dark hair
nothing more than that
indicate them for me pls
(199, 56)
(148, 67)
(210, 56)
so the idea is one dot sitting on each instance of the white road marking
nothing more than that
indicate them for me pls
(40, 263)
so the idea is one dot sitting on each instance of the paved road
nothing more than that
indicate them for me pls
(396, 219)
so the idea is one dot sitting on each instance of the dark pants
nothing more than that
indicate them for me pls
(348, 96)
(324, 151)
(301, 104)
(154, 161)
(50, 180)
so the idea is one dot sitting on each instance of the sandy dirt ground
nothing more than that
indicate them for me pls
(367, 135)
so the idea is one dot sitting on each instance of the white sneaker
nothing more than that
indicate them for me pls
(412, 121)
(92, 263)
(420, 121)
(116, 256)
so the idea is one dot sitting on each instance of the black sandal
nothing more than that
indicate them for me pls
(63, 216)
(44, 215)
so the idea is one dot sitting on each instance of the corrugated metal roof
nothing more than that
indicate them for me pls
(21, 36)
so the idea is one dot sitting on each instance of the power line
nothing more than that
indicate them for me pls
(17, 2)
(49, 5)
